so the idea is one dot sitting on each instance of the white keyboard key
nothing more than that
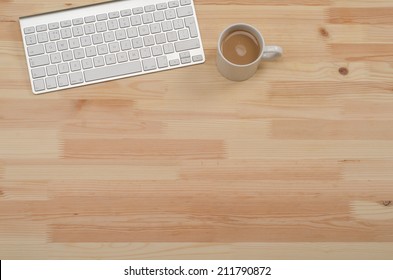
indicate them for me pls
(125, 13)
(138, 10)
(125, 45)
(155, 28)
(73, 43)
(145, 53)
(178, 24)
(166, 26)
(54, 35)
(132, 32)
(113, 71)
(174, 62)
(102, 49)
(53, 25)
(86, 41)
(101, 26)
(159, 16)
(184, 11)
(143, 30)
(150, 8)
(65, 23)
(97, 39)
(191, 24)
(62, 45)
(156, 50)
(136, 20)
(62, 80)
(114, 14)
(55, 58)
(66, 33)
(114, 47)
(51, 70)
(162, 62)
(109, 36)
(50, 47)
(89, 29)
(148, 40)
(149, 64)
(77, 21)
(168, 48)
(173, 4)
(122, 57)
(51, 82)
(75, 65)
(63, 68)
(184, 55)
(87, 63)
(39, 85)
(41, 28)
(102, 17)
(170, 14)
(78, 53)
(31, 39)
(137, 43)
(38, 72)
(171, 36)
(187, 45)
(29, 30)
(90, 19)
(185, 2)
(160, 38)
(99, 61)
(197, 58)
(39, 61)
(183, 34)
(76, 78)
(77, 31)
(110, 59)
(161, 6)
(186, 60)
(35, 50)
(112, 24)
(67, 55)
(147, 18)
(91, 51)
(124, 22)
(133, 55)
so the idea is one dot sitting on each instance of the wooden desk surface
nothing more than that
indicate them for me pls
(295, 163)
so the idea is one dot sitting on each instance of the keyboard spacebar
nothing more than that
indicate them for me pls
(113, 71)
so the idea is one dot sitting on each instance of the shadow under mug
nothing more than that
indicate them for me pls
(237, 72)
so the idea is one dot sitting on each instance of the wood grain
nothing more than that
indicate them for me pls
(296, 163)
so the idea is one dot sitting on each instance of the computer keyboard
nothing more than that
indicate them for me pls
(108, 41)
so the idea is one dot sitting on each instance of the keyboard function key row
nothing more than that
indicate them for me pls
(113, 25)
(116, 14)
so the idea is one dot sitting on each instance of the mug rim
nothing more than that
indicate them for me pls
(255, 30)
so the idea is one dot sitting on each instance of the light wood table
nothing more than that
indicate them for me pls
(295, 163)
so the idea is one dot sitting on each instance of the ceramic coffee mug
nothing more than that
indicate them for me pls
(241, 72)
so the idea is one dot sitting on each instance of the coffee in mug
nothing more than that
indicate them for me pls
(241, 48)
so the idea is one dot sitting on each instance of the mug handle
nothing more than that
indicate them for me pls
(271, 52)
